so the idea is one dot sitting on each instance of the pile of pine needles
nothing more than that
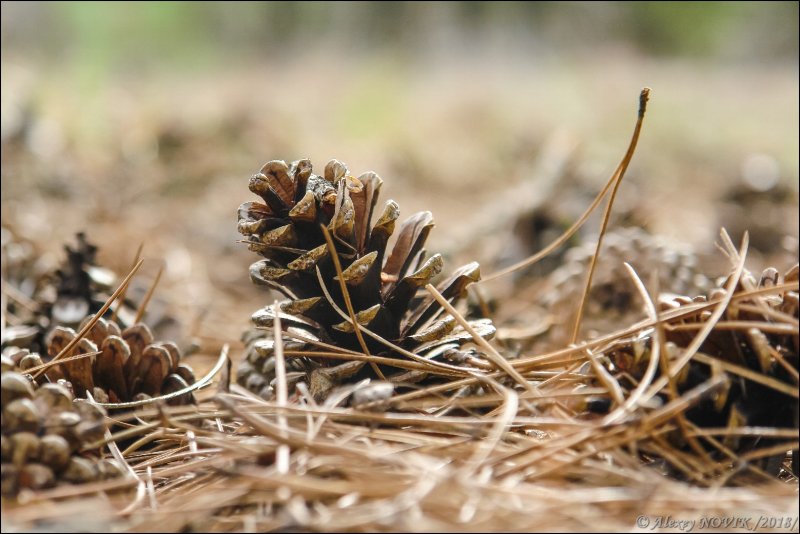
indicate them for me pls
(236, 462)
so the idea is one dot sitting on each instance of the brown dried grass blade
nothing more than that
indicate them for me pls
(560, 240)
(143, 306)
(491, 352)
(124, 291)
(282, 453)
(39, 368)
(619, 175)
(346, 294)
(652, 365)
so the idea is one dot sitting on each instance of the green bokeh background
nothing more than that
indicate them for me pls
(133, 38)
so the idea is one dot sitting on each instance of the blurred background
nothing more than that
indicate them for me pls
(142, 122)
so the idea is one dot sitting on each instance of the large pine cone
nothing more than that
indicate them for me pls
(382, 284)
(768, 352)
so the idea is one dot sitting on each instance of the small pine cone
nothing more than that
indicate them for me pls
(43, 431)
(383, 284)
(130, 364)
(65, 296)
(768, 353)
(55, 297)
(81, 286)
(613, 296)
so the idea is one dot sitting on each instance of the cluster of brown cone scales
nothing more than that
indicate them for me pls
(755, 344)
(286, 229)
(129, 365)
(44, 432)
